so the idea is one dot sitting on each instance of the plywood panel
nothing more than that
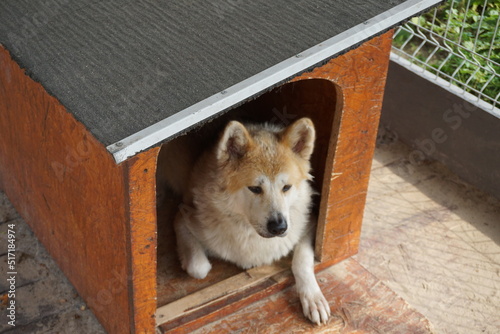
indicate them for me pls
(141, 180)
(70, 191)
(360, 75)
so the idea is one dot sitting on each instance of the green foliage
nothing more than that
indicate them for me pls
(459, 31)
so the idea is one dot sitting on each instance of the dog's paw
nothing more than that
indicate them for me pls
(198, 267)
(315, 307)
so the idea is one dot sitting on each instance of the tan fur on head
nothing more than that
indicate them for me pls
(234, 143)
(300, 137)
(268, 150)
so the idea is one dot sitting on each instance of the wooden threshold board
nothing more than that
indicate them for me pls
(225, 297)
(360, 303)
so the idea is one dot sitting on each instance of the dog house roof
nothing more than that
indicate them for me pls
(138, 72)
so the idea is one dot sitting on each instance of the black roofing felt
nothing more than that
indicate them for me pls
(120, 66)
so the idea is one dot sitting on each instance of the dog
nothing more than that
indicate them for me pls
(247, 200)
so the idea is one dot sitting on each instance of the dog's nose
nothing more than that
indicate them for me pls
(277, 225)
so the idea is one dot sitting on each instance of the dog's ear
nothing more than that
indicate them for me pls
(300, 137)
(234, 143)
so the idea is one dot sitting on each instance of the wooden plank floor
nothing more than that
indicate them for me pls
(428, 237)
(360, 303)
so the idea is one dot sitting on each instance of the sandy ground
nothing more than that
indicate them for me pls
(435, 241)
(431, 238)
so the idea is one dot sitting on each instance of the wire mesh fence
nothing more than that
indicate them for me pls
(458, 45)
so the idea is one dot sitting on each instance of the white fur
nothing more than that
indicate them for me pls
(233, 225)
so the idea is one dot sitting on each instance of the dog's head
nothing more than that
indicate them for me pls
(266, 170)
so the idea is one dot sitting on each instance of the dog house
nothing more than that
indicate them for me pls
(89, 91)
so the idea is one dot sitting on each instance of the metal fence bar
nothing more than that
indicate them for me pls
(457, 42)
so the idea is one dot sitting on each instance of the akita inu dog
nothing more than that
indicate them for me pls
(250, 200)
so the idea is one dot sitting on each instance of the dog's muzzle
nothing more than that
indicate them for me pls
(277, 226)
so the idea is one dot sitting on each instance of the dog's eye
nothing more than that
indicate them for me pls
(286, 188)
(256, 190)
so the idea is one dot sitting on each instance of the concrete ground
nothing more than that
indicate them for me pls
(435, 241)
(431, 238)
